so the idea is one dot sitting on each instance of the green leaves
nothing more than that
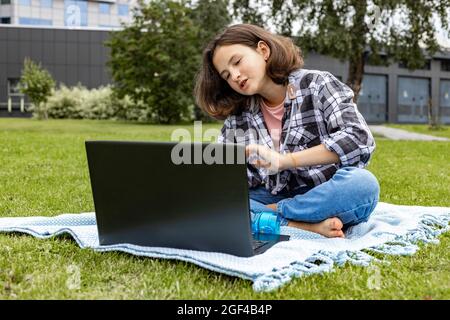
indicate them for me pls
(37, 84)
(404, 30)
(154, 60)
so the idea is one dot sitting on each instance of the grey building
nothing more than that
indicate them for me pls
(65, 36)
(71, 56)
(394, 93)
(77, 55)
(66, 13)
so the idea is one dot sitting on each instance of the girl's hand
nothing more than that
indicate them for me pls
(264, 157)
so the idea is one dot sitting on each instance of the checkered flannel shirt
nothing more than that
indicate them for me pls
(324, 114)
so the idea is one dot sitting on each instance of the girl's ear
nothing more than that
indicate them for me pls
(263, 49)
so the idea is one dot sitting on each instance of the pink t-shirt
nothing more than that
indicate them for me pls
(273, 117)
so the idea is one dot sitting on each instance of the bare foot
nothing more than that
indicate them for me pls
(330, 228)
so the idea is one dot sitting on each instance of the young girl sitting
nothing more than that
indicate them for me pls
(312, 143)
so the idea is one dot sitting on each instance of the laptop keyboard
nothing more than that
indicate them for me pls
(256, 244)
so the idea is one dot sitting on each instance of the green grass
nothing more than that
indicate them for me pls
(443, 131)
(44, 172)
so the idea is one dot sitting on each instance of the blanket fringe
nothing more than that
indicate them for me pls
(428, 230)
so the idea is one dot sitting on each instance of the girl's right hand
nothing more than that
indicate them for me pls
(264, 157)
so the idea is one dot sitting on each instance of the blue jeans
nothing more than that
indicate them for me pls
(351, 195)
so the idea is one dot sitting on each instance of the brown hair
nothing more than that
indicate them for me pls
(212, 92)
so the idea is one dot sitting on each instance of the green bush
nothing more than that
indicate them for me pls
(38, 84)
(102, 103)
(80, 103)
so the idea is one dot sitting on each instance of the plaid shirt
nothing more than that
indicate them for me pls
(324, 113)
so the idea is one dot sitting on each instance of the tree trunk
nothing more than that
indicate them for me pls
(43, 107)
(355, 74)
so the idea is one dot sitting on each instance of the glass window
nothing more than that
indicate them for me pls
(445, 93)
(5, 20)
(35, 21)
(75, 13)
(26, 3)
(122, 9)
(104, 8)
(413, 98)
(5, 2)
(372, 101)
(13, 87)
(46, 3)
(445, 65)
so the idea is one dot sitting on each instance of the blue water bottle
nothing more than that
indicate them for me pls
(265, 222)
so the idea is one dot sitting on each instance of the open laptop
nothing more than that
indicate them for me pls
(144, 195)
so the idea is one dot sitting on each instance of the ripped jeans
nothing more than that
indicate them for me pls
(351, 195)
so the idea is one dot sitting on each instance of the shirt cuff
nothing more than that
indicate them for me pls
(331, 145)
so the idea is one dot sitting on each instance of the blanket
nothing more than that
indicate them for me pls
(391, 229)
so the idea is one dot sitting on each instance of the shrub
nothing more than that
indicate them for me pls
(37, 84)
(102, 103)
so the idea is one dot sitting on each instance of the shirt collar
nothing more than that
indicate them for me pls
(291, 92)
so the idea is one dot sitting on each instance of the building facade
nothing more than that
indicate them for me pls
(66, 13)
(394, 93)
(72, 56)
(67, 37)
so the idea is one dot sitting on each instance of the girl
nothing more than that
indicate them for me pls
(311, 141)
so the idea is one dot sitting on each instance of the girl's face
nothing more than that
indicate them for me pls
(244, 68)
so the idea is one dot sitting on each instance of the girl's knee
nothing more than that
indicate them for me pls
(364, 185)
(372, 187)
(365, 189)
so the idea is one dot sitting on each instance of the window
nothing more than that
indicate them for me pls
(26, 3)
(122, 9)
(46, 3)
(445, 65)
(445, 93)
(5, 2)
(35, 21)
(13, 87)
(5, 20)
(104, 8)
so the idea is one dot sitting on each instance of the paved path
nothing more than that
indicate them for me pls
(398, 134)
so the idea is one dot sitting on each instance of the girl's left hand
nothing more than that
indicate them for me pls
(266, 158)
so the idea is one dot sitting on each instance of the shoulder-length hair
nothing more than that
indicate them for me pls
(214, 95)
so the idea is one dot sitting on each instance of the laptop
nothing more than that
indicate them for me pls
(169, 194)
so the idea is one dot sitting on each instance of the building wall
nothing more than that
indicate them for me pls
(71, 56)
(394, 73)
(78, 55)
(68, 13)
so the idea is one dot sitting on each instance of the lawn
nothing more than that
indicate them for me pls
(442, 131)
(44, 172)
